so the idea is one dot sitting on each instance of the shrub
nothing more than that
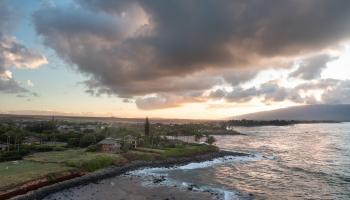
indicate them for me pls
(97, 163)
(93, 148)
(73, 142)
(135, 155)
(87, 140)
(92, 164)
(126, 147)
(13, 155)
(210, 140)
(41, 148)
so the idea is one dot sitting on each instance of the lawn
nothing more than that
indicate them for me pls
(67, 156)
(150, 150)
(149, 154)
(17, 172)
(141, 155)
(39, 165)
(89, 161)
(188, 150)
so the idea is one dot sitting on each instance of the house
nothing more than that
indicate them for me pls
(89, 128)
(3, 147)
(65, 128)
(132, 141)
(31, 140)
(110, 145)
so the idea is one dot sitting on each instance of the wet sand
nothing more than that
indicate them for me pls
(125, 188)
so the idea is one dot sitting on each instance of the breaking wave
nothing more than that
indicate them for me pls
(159, 176)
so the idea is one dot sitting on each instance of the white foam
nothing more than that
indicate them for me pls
(150, 173)
(198, 165)
(229, 195)
(218, 161)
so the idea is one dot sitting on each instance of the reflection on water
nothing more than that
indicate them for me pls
(301, 161)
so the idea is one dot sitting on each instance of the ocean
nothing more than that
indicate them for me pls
(304, 161)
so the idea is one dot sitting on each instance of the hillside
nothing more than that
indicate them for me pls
(339, 112)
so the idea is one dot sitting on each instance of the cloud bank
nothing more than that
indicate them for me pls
(159, 51)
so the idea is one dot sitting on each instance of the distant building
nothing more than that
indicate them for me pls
(110, 145)
(65, 128)
(131, 140)
(31, 140)
(89, 128)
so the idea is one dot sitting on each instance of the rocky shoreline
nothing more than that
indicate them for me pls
(115, 171)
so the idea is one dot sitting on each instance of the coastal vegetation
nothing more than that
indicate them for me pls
(44, 164)
(46, 151)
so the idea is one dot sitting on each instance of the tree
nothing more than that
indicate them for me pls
(210, 140)
(87, 140)
(147, 128)
(197, 137)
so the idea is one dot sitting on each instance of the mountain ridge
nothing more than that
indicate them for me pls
(332, 112)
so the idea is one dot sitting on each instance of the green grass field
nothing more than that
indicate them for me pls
(179, 151)
(39, 165)
(17, 172)
(73, 155)
(89, 161)
(188, 150)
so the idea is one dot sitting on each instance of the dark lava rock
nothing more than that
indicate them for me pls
(158, 180)
(191, 187)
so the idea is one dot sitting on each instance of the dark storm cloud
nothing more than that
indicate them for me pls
(168, 84)
(139, 47)
(311, 68)
(237, 76)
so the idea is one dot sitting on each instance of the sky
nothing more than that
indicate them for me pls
(203, 59)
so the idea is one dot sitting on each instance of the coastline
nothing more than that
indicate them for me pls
(129, 187)
(116, 171)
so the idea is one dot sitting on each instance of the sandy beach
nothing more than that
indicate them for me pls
(128, 187)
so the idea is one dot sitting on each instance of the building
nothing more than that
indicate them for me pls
(65, 128)
(110, 145)
(31, 140)
(132, 141)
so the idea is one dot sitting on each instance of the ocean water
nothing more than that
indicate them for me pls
(304, 161)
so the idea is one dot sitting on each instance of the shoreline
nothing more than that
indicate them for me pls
(116, 171)
(127, 186)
